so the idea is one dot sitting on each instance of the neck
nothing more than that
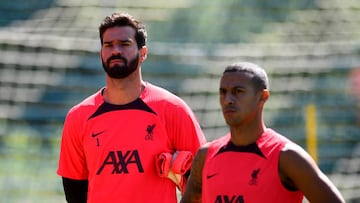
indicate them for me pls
(123, 91)
(248, 133)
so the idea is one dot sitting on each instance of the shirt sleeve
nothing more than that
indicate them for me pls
(183, 128)
(72, 162)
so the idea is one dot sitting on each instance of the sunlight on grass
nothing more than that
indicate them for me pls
(28, 168)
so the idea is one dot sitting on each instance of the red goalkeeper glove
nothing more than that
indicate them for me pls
(174, 166)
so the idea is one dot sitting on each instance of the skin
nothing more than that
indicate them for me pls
(242, 108)
(121, 41)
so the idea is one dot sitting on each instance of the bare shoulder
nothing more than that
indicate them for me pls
(292, 152)
(299, 170)
(294, 163)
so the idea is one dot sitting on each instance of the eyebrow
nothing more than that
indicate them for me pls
(234, 87)
(121, 41)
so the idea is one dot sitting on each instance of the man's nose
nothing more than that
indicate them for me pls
(229, 98)
(117, 50)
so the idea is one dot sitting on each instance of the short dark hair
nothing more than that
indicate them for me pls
(124, 19)
(258, 75)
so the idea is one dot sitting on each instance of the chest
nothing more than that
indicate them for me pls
(239, 169)
(124, 139)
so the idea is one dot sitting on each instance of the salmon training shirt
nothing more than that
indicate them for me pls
(246, 174)
(114, 146)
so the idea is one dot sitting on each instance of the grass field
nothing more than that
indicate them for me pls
(28, 170)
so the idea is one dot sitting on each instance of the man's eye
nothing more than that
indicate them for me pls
(125, 44)
(238, 91)
(107, 45)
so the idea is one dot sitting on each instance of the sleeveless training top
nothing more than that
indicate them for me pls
(246, 174)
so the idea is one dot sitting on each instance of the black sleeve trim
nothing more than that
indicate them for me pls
(75, 190)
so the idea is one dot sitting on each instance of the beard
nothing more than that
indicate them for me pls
(120, 71)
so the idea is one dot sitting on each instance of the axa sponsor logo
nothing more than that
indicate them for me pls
(118, 162)
(229, 199)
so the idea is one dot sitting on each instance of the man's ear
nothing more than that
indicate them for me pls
(143, 53)
(265, 95)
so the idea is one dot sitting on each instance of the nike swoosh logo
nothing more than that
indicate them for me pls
(212, 175)
(96, 134)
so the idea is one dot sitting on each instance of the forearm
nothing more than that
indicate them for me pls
(75, 190)
(191, 199)
(192, 193)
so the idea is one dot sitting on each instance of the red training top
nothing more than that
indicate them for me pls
(114, 146)
(246, 174)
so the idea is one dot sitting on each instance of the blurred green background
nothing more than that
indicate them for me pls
(49, 62)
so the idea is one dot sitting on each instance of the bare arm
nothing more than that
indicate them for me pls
(193, 188)
(297, 166)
